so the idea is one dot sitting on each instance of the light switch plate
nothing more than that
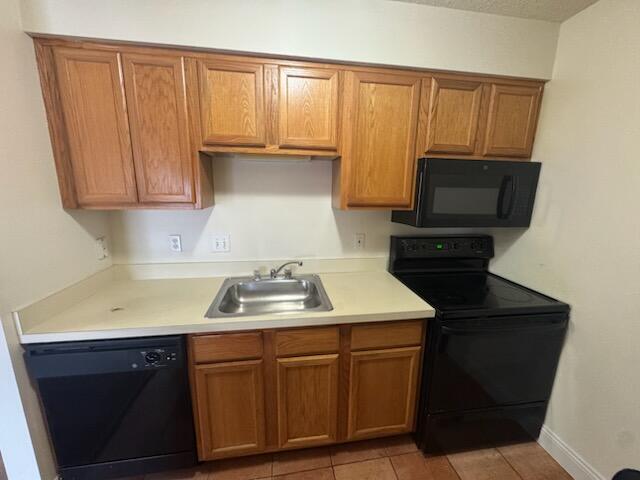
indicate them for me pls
(358, 241)
(221, 242)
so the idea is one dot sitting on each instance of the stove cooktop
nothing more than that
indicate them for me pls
(461, 294)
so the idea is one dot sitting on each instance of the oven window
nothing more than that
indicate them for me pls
(465, 201)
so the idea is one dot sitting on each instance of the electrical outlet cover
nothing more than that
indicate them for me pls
(221, 242)
(175, 243)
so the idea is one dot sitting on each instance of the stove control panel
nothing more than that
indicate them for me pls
(479, 246)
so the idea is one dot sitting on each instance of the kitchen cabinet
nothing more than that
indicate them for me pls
(230, 413)
(307, 400)
(135, 126)
(120, 128)
(308, 113)
(512, 120)
(271, 390)
(99, 141)
(454, 115)
(380, 120)
(476, 118)
(156, 98)
(232, 103)
(383, 391)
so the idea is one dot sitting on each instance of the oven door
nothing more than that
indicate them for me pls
(491, 362)
(476, 193)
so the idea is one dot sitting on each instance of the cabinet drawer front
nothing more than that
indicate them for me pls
(384, 335)
(225, 347)
(307, 341)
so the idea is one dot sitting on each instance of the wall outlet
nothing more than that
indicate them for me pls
(358, 241)
(102, 251)
(221, 242)
(175, 243)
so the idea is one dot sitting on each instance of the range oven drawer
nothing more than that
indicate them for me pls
(485, 363)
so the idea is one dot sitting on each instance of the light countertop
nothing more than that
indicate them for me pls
(135, 308)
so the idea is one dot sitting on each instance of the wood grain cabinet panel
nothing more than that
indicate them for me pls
(93, 104)
(307, 400)
(232, 103)
(378, 140)
(454, 115)
(308, 110)
(386, 335)
(512, 120)
(382, 392)
(307, 341)
(226, 346)
(156, 97)
(230, 408)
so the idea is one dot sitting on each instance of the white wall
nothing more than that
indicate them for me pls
(273, 210)
(43, 249)
(376, 31)
(583, 246)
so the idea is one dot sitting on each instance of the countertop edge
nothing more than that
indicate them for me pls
(232, 325)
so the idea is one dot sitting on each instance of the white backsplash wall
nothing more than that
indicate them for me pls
(272, 209)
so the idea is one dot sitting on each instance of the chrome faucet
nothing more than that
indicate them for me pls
(287, 272)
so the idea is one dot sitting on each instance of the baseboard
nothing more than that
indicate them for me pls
(573, 463)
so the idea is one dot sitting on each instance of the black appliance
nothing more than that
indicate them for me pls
(472, 193)
(493, 346)
(115, 407)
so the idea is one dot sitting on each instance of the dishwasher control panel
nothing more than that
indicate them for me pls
(157, 358)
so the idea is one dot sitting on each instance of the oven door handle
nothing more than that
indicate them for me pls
(549, 327)
(509, 184)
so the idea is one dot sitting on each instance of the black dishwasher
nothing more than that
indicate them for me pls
(115, 407)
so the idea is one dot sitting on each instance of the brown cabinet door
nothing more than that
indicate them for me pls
(230, 408)
(511, 125)
(92, 99)
(454, 116)
(382, 394)
(308, 114)
(378, 141)
(307, 400)
(232, 103)
(156, 98)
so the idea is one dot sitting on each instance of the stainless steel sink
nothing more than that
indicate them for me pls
(247, 296)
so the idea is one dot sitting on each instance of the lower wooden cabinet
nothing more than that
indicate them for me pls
(302, 387)
(230, 408)
(307, 400)
(382, 393)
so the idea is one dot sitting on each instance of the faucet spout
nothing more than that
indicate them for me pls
(287, 273)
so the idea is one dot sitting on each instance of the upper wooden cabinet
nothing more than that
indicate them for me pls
(512, 120)
(454, 115)
(232, 103)
(308, 113)
(157, 101)
(99, 142)
(135, 126)
(378, 141)
(120, 128)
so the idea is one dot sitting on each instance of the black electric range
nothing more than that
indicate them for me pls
(493, 347)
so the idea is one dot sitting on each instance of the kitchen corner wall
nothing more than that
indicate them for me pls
(44, 248)
(583, 245)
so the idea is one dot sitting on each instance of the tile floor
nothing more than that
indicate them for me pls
(395, 458)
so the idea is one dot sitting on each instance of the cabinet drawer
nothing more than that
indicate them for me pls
(383, 335)
(225, 347)
(307, 341)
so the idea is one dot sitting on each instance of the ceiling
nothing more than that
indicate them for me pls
(551, 10)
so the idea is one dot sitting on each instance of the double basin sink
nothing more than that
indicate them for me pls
(241, 296)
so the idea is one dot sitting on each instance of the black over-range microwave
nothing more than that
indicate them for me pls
(472, 193)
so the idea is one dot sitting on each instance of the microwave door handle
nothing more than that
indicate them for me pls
(508, 185)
